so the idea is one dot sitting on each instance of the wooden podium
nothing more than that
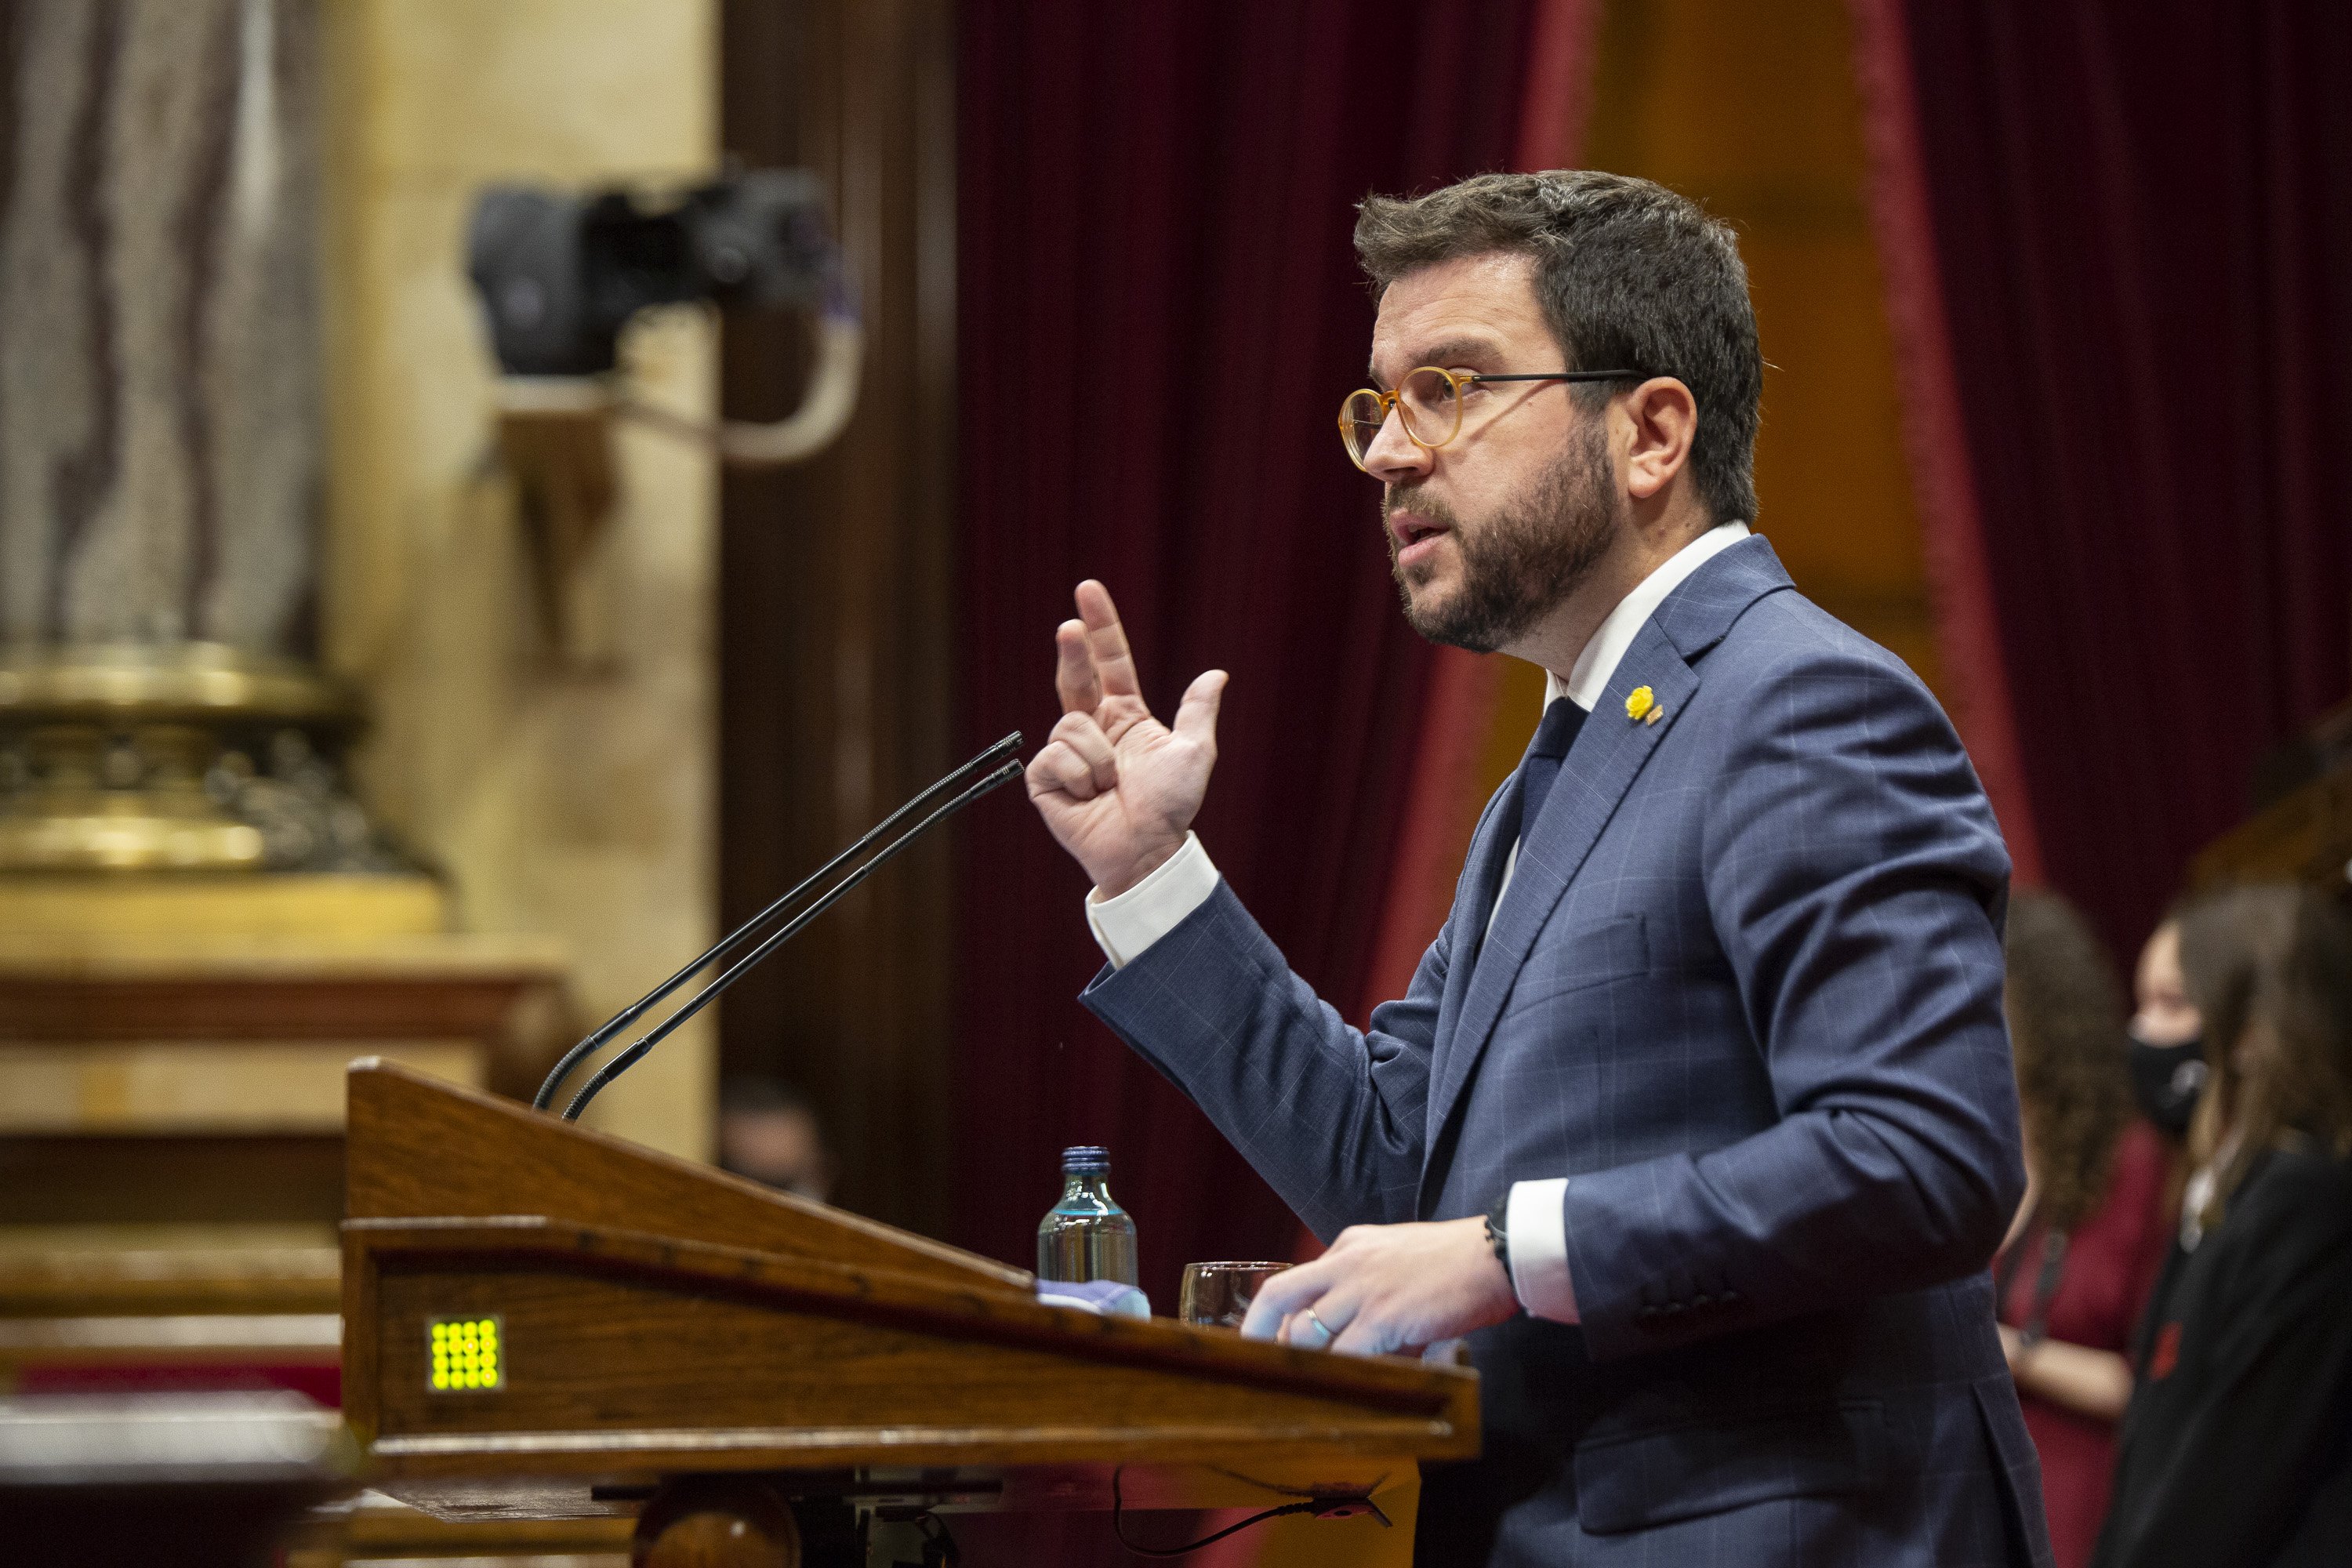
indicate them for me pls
(666, 1338)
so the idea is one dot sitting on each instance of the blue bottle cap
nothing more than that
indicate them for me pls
(1087, 1159)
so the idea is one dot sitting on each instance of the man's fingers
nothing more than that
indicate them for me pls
(1322, 1323)
(1282, 1295)
(1084, 736)
(1106, 641)
(1196, 716)
(1366, 1334)
(1058, 769)
(1073, 669)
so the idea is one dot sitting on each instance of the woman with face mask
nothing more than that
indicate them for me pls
(2237, 1448)
(2166, 1054)
(2094, 1228)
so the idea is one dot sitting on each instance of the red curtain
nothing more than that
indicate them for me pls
(1159, 314)
(2119, 229)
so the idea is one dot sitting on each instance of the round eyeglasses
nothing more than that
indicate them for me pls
(1429, 402)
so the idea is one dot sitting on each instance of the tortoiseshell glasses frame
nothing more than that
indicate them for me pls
(1428, 402)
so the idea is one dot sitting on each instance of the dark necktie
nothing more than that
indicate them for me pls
(1562, 719)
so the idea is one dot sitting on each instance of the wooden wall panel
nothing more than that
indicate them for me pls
(835, 632)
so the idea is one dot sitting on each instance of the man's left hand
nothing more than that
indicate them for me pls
(1387, 1289)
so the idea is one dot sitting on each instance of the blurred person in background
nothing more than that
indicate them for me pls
(2167, 1052)
(2091, 1236)
(769, 1131)
(2237, 1448)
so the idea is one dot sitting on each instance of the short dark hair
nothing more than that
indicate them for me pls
(1627, 272)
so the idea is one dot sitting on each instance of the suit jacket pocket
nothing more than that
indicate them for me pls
(1591, 953)
(1631, 1481)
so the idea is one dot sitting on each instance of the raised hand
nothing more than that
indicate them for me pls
(1117, 788)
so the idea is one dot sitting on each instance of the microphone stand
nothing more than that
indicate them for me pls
(1003, 754)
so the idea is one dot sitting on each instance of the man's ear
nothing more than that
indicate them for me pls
(1663, 418)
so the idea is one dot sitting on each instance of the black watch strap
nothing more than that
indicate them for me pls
(1498, 1235)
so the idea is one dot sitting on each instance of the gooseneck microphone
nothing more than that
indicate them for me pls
(1005, 766)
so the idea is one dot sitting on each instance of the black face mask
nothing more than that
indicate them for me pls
(2167, 1080)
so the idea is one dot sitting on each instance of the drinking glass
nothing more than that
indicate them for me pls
(1219, 1294)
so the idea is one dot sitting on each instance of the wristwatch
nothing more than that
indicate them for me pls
(1498, 1235)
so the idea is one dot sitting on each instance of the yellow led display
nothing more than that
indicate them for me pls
(468, 1354)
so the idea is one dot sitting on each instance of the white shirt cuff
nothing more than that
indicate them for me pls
(1537, 1222)
(1127, 924)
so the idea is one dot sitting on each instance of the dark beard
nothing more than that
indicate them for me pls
(1517, 566)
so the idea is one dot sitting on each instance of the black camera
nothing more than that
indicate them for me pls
(561, 275)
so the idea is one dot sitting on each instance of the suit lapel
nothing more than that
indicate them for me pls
(1490, 849)
(1600, 768)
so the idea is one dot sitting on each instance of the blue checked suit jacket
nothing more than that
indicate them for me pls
(1744, 990)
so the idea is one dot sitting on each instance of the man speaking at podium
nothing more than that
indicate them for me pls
(1698, 1118)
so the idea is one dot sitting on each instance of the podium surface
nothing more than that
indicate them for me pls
(647, 1319)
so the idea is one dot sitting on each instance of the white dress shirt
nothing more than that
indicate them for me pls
(1131, 921)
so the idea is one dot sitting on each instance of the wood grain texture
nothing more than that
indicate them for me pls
(159, 377)
(505, 998)
(374, 1528)
(146, 1179)
(660, 1319)
(81, 1281)
(835, 616)
(419, 1148)
(665, 1354)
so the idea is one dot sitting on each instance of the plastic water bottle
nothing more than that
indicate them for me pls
(1087, 1235)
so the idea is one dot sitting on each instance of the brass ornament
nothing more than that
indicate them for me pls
(187, 756)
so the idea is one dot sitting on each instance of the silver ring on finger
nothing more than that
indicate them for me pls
(1327, 1335)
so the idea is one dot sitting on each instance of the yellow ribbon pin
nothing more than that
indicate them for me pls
(1642, 704)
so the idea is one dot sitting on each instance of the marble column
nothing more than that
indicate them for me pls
(160, 444)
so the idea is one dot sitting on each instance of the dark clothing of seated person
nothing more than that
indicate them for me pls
(2066, 1303)
(2237, 1448)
